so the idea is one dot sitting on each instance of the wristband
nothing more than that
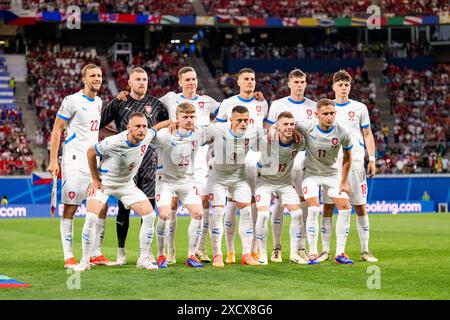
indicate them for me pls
(372, 158)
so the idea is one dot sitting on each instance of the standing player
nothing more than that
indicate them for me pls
(119, 111)
(355, 117)
(231, 145)
(257, 114)
(204, 106)
(323, 142)
(79, 115)
(303, 109)
(276, 163)
(121, 155)
(176, 156)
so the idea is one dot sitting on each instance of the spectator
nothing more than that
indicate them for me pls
(425, 196)
(12, 84)
(4, 201)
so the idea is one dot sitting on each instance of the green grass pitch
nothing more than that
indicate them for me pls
(414, 254)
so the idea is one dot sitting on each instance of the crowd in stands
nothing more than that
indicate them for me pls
(329, 8)
(329, 50)
(154, 7)
(16, 157)
(53, 73)
(161, 64)
(420, 102)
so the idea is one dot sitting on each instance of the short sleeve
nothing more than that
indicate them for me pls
(346, 141)
(222, 115)
(365, 119)
(104, 147)
(67, 109)
(302, 126)
(212, 105)
(272, 116)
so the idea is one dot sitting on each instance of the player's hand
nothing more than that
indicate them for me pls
(53, 168)
(297, 137)
(272, 133)
(259, 96)
(94, 186)
(343, 187)
(371, 169)
(123, 95)
(173, 127)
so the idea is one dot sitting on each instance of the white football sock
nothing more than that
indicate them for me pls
(254, 215)
(205, 228)
(99, 236)
(295, 230)
(230, 225)
(146, 234)
(342, 230)
(66, 230)
(216, 230)
(261, 231)
(172, 221)
(246, 229)
(304, 236)
(162, 231)
(362, 223)
(326, 231)
(312, 228)
(194, 234)
(88, 235)
(277, 223)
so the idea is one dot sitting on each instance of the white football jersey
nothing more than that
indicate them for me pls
(322, 147)
(120, 159)
(354, 116)
(176, 153)
(277, 160)
(257, 109)
(229, 149)
(301, 110)
(204, 106)
(83, 120)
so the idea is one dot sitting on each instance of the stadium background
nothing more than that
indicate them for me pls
(400, 72)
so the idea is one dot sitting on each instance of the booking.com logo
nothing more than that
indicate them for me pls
(73, 17)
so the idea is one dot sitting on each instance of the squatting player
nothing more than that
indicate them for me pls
(321, 168)
(79, 115)
(121, 156)
(277, 160)
(119, 111)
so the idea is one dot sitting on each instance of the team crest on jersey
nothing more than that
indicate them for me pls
(143, 148)
(335, 141)
(246, 142)
(201, 105)
(71, 195)
(309, 112)
(194, 144)
(351, 114)
(148, 110)
(293, 154)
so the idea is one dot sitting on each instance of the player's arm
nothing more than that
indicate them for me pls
(370, 145)
(55, 140)
(346, 164)
(96, 183)
(162, 124)
(123, 95)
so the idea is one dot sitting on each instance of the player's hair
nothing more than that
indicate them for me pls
(87, 67)
(246, 70)
(285, 114)
(185, 70)
(342, 75)
(324, 102)
(137, 115)
(185, 107)
(138, 70)
(239, 109)
(296, 73)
